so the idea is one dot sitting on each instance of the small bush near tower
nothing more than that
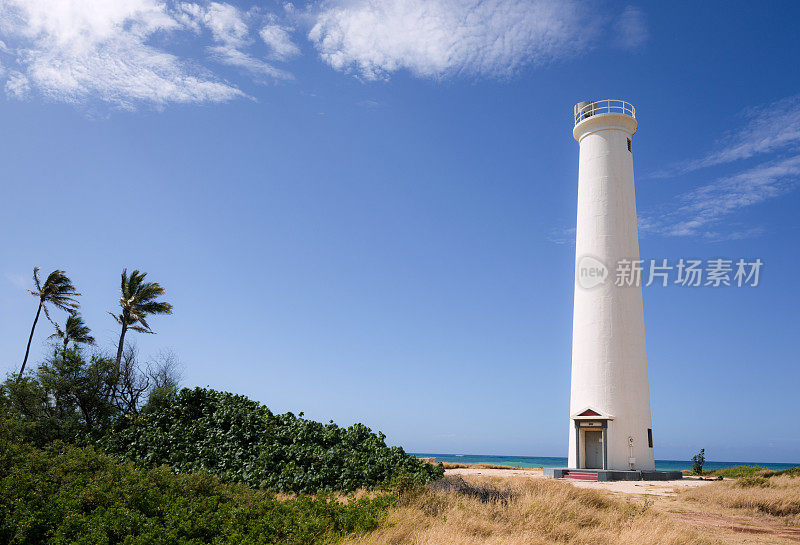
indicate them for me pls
(697, 462)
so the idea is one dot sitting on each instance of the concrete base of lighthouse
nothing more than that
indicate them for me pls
(610, 475)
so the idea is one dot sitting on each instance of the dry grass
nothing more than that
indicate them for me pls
(505, 511)
(778, 496)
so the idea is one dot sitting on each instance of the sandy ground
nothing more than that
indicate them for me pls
(658, 488)
(532, 472)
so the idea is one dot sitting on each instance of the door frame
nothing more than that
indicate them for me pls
(591, 420)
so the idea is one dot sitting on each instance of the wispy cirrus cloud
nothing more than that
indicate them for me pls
(766, 129)
(279, 41)
(563, 235)
(701, 209)
(231, 30)
(144, 51)
(71, 49)
(439, 38)
(118, 52)
(772, 129)
(630, 28)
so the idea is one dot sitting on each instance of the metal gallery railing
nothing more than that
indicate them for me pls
(587, 109)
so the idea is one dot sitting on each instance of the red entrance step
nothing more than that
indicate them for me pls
(580, 475)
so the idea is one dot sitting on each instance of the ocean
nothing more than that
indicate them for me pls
(544, 461)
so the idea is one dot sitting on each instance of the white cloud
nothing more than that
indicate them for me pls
(562, 235)
(279, 42)
(17, 85)
(435, 38)
(703, 207)
(631, 29)
(230, 30)
(73, 50)
(226, 24)
(118, 51)
(767, 128)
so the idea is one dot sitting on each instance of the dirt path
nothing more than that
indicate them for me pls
(740, 524)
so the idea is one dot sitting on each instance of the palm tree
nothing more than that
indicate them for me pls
(138, 300)
(75, 330)
(58, 291)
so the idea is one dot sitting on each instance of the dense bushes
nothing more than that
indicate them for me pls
(242, 441)
(66, 494)
(76, 398)
(140, 416)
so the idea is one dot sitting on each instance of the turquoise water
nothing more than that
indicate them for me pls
(543, 461)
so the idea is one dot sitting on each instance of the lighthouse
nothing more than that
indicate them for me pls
(610, 426)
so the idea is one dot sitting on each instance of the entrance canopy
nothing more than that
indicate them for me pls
(589, 413)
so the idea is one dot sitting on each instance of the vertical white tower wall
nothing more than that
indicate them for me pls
(609, 364)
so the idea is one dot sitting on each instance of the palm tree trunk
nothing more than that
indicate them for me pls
(28, 349)
(121, 343)
(113, 392)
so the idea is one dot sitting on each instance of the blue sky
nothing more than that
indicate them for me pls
(364, 210)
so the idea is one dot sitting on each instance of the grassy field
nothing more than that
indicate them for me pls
(510, 510)
(777, 496)
(523, 510)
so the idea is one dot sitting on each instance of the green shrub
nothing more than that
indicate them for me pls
(66, 494)
(736, 472)
(240, 440)
(697, 462)
(791, 472)
(752, 481)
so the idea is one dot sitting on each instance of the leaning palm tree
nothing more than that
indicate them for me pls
(138, 300)
(75, 330)
(58, 291)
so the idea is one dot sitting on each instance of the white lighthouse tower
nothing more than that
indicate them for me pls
(610, 427)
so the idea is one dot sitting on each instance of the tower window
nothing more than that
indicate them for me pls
(629, 145)
(649, 430)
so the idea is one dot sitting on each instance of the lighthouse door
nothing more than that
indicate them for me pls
(594, 449)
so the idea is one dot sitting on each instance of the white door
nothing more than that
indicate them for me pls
(594, 449)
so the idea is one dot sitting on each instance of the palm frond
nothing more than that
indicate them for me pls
(77, 331)
(67, 306)
(124, 284)
(36, 281)
(47, 314)
(59, 290)
(59, 333)
(141, 319)
(138, 300)
(155, 307)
